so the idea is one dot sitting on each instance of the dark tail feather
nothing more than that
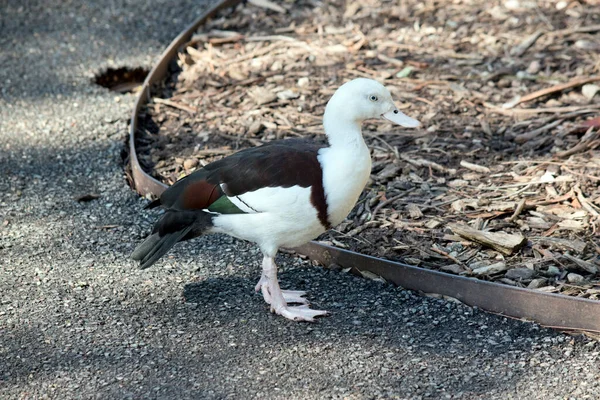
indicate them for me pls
(173, 227)
(153, 204)
(162, 246)
(145, 247)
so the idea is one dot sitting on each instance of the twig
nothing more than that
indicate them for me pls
(421, 162)
(213, 152)
(474, 167)
(385, 203)
(389, 146)
(585, 143)
(428, 102)
(362, 227)
(590, 177)
(449, 256)
(585, 202)
(518, 210)
(533, 111)
(271, 38)
(579, 147)
(427, 83)
(584, 265)
(508, 196)
(390, 60)
(268, 5)
(581, 29)
(519, 50)
(191, 110)
(525, 137)
(550, 90)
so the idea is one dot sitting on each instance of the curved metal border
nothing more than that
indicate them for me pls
(142, 182)
(552, 310)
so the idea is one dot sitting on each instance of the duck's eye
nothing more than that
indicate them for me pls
(373, 97)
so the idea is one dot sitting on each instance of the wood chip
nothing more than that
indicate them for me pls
(414, 211)
(584, 265)
(475, 167)
(577, 246)
(268, 5)
(506, 243)
(490, 269)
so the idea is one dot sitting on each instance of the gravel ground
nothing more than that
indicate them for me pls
(78, 320)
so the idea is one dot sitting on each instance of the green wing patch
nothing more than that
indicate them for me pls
(224, 206)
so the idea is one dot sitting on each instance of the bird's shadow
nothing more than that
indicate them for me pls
(216, 292)
(357, 307)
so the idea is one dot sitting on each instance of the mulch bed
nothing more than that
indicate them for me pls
(503, 181)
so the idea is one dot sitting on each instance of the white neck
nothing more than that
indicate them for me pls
(342, 131)
(346, 164)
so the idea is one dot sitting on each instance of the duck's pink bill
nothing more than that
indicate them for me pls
(401, 119)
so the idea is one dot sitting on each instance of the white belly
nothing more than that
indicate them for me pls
(277, 217)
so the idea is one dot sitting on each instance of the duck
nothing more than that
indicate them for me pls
(281, 194)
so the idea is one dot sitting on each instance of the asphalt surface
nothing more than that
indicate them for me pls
(78, 320)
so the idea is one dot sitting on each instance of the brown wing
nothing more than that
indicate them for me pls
(283, 163)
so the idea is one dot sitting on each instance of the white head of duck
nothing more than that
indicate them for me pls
(356, 101)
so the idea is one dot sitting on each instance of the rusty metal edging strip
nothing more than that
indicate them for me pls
(548, 309)
(554, 310)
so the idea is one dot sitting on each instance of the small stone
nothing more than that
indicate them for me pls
(587, 45)
(402, 184)
(589, 91)
(276, 66)
(553, 270)
(490, 269)
(335, 267)
(471, 176)
(302, 82)
(287, 95)
(575, 278)
(254, 128)
(520, 274)
(458, 183)
(190, 163)
(536, 283)
(432, 223)
(455, 247)
(262, 95)
(534, 67)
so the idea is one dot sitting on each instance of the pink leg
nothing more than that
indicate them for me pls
(279, 299)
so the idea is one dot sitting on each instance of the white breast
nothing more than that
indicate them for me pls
(345, 174)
